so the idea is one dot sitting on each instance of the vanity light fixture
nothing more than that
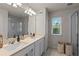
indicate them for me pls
(25, 11)
(28, 10)
(15, 4)
(19, 4)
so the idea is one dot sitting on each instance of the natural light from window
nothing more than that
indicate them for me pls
(56, 26)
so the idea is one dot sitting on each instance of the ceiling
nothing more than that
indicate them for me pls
(51, 7)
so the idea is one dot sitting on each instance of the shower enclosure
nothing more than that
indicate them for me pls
(75, 33)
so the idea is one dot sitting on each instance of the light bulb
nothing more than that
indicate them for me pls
(31, 11)
(30, 14)
(14, 5)
(25, 11)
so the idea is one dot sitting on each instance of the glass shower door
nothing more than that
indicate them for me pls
(74, 33)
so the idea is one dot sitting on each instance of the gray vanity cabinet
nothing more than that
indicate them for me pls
(39, 47)
(34, 49)
(27, 51)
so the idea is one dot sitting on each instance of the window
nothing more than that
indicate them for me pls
(56, 26)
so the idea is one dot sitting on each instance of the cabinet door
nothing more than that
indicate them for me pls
(27, 51)
(42, 45)
(20, 53)
(31, 24)
(30, 52)
(37, 48)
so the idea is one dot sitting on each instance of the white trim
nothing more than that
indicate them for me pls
(56, 34)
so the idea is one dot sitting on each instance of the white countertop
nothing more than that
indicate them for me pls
(9, 50)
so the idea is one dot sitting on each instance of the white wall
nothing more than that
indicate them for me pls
(46, 29)
(40, 23)
(4, 23)
(31, 24)
(66, 27)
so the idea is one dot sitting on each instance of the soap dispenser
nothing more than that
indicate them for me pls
(34, 34)
(18, 38)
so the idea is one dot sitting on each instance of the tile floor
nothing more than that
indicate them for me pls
(53, 52)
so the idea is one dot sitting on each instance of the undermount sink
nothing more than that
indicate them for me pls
(12, 46)
(26, 40)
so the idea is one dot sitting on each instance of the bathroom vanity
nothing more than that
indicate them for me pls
(30, 46)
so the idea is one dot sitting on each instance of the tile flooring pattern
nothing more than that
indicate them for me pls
(53, 52)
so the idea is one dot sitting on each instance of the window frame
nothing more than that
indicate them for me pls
(60, 26)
